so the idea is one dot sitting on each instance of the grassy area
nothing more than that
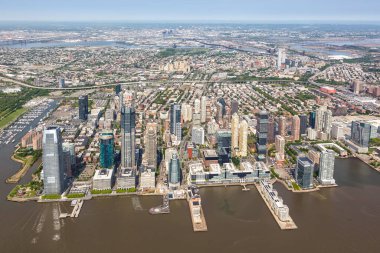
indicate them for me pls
(108, 191)
(12, 117)
(75, 195)
(121, 190)
(296, 186)
(131, 190)
(51, 196)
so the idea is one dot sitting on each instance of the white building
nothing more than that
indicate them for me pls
(326, 167)
(275, 202)
(147, 179)
(337, 131)
(203, 109)
(198, 135)
(243, 139)
(311, 134)
(102, 180)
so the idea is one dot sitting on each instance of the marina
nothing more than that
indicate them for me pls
(8, 135)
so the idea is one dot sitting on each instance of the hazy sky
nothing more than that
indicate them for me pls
(202, 10)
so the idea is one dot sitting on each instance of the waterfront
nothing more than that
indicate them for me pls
(340, 219)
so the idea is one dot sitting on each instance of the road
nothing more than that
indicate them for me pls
(18, 82)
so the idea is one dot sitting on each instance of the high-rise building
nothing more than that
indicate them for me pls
(337, 131)
(281, 58)
(234, 106)
(303, 124)
(151, 144)
(280, 146)
(235, 133)
(223, 138)
(296, 128)
(219, 112)
(304, 172)
(312, 117)
(83, 107)
(117, 89)
(175, 121)
(174, 175)
(360, 133)
(106, 149)
(196, 119)
(327, 122)
(243, 138)
(326, 167)
(319, 118)
(262, 135)
(53, 163)
(271, 130)
(128, 136)
(197, 106)
(184, 113)
(357, 86)
(198, 135)
(282, 126)
(61, 83)
(223, 103)
(203, 109)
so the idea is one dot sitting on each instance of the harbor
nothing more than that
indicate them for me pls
(161, 209)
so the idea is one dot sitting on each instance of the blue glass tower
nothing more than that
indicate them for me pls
(106, 146)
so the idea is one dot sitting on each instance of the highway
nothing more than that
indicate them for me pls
(143, 82)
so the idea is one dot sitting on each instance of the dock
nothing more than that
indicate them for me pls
(76, 210)
(162, 209)
(284, 225)
(199, 221)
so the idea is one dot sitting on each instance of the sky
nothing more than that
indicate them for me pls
(190, 10)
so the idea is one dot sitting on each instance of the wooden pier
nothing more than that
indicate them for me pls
(76, 210)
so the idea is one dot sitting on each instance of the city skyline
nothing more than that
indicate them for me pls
(211, 11)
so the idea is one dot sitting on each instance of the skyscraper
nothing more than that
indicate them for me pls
(175, 121)
(83, 107)
(312, 116)
(106, 148)
(282, 126)
(128, 136)
(117, 89)
(151, 144)
(197, 106)
(198, 135)
(174, 172)
(271, 130)
(234, 106)
(235, 133)
(296, 128)
(262, 135)
(360, 133)
(280, 146)
(243, 138)
(304, 172)
(53, 163)
(203, 109)
(327, 122)
(281, 58)
(319, 118)
(326, 167)
(303, 124)
(223, 103)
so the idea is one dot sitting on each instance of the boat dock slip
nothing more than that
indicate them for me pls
(198, 219)
(285, 224)
(75, 212)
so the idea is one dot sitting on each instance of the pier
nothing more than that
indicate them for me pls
(162, 209)
(288, 224)
(76, 210)
(198, 219)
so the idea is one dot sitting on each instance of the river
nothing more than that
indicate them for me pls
(342, 219)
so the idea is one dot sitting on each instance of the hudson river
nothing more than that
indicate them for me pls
(343, 219)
